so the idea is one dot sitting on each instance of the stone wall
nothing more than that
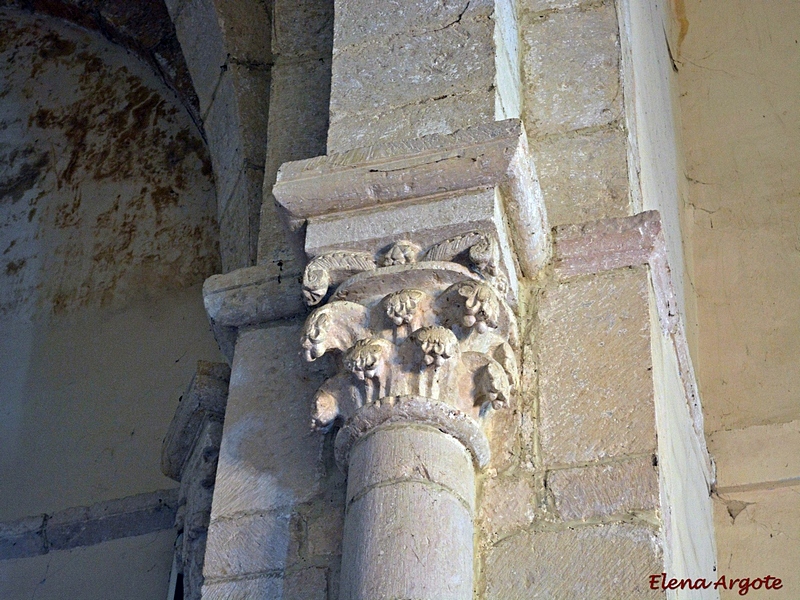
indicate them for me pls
(599, 476)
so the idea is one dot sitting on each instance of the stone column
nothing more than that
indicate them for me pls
(411, 502)
(416, 302)
(425, 355)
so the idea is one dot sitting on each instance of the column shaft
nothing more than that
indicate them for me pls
(408, 531)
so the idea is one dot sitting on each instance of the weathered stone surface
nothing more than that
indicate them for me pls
(412, 121)
(598, 491)
(252, 84)
(506, 504)
(613, 243)
(362, 177)
(391, 532)
(145, 28)
(298, 112)
(308, 584)
(194, 512)
(224, 134)
(410, 69)
(302, 27)
(246, 26)
(22, 538)
(244, 589)
(493, 155)
(362, 20)
(324, 533)
(592, 563)
(503, 429)
(571, 74)
(595, 368)
(269, 456)
(250, 296)
(104, 521)
(234, 238)
(422, 224)
(583, 177)
(536, 6)
(407, 453)
(88, 525)
(203, 46)
(414, 410)
(247, 544)
(206, 397)
(239, 222)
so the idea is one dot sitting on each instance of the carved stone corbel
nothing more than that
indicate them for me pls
(189, 455)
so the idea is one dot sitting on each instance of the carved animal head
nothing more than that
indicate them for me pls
(493, 386)
(401, 253)
(326, 410)
(365, 359)
(314, 335)
(438, 344)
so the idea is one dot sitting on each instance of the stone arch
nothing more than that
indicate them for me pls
(261, 71)
(228, 55)
(107, 230)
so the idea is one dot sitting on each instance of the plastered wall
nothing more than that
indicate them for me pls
(737, 67)
(107, 230)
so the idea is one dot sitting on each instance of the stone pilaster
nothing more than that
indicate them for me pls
(189, 455)
(415, 68)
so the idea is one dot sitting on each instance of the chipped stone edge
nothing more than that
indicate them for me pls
(596, 246)
(481, 157)
(88, 525)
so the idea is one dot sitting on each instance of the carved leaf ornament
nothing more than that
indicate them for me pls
(432, 337)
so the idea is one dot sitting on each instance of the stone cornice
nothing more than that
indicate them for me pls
(88, 525)
(250, 297)
(492, 155)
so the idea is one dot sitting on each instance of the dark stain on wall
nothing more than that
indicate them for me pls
(119, 179)
(14, 266)
(29, 168)
(144, 27)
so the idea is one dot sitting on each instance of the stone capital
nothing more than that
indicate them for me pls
(416, 249)
(426, 338)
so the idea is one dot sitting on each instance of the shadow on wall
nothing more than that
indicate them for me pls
(107, 231)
